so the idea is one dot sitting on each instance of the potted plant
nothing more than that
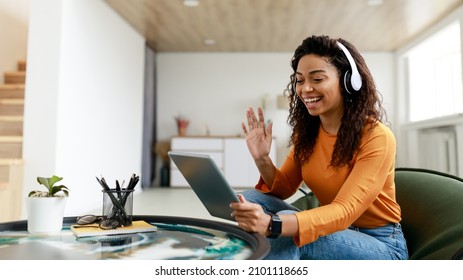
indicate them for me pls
(45, 209)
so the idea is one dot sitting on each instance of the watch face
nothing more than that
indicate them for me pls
(275, 226)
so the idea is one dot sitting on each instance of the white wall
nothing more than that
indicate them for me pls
(215, 89)
(382, 65)
(84, 98)
(14, 18)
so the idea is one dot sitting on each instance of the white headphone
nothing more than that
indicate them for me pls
(352, 81)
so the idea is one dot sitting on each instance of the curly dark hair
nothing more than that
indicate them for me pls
(362, 108)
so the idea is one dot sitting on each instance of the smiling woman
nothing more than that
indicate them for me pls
(340, 149)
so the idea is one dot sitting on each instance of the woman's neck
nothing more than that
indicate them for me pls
(331, 124)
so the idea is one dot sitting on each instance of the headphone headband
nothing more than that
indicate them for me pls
(352, 80)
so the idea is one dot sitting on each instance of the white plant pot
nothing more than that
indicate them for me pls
(45, 214)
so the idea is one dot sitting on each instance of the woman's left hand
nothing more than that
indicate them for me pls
(250, 216)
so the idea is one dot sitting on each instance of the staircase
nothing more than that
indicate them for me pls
(11, 138)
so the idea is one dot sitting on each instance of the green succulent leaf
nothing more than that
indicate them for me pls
(32, 193)
(61, 188)
(53, 180)
(43, 181)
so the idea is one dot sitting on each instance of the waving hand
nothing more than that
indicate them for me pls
(258, 137)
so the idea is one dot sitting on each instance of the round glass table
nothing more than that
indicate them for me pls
(176, 238)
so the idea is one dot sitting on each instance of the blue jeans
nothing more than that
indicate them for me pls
(382, 243)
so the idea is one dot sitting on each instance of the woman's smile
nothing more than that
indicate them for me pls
(312, 103)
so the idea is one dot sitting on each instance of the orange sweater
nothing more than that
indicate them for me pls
(362, 195)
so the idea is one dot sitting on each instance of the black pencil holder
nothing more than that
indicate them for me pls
(118, 205)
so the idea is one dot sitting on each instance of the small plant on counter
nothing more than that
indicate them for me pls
(52, 190)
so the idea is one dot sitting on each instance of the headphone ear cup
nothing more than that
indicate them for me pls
(352, 81)
(347, 83)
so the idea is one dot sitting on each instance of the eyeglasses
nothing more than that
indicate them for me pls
(89, 220)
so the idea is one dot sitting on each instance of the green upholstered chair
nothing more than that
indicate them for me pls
(432, 212)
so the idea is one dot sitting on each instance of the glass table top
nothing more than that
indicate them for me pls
(175, 239)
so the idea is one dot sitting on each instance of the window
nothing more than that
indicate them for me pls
(435, 75)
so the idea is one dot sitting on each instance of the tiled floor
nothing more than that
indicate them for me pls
(168, 201)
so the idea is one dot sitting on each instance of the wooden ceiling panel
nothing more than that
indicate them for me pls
(278, 25)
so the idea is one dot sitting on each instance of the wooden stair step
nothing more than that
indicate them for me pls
(10, 161)
(16, 77)
(9, 150)
(10, 138)
(11, 107)
(11, 125)
(12, 91)
(11, 146)
(21, 65)
(4, 139)
(11, 118)
(12, 101)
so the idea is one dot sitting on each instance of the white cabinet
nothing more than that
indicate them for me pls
(240, 169)
(229, 153)
(198, 145)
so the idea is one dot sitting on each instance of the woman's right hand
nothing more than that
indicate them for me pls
(258, 137)
(250, 216)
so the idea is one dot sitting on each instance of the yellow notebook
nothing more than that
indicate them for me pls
(94, 230)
